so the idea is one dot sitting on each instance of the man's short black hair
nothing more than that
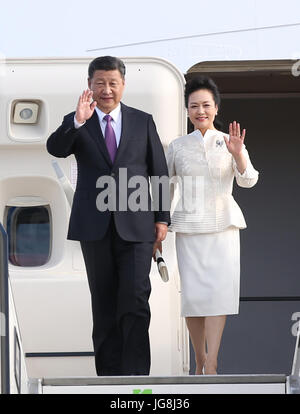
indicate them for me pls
(201, 82)
(106, 63)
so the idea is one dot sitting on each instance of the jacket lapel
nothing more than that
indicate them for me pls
(94, 129)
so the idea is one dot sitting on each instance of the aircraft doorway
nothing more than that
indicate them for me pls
(265, 98)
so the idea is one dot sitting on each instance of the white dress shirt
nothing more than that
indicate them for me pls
(116, 122)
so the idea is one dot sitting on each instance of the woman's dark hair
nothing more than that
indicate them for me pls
(106, 63)
(201, 82)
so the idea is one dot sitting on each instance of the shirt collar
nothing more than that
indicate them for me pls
(208, 133)
(115, 113)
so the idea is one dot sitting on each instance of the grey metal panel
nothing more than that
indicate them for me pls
(4, 314)
(195, 379)
(293, 385)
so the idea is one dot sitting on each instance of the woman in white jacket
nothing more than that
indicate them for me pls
(207, 219)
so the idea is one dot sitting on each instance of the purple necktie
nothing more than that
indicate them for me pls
(110, 138)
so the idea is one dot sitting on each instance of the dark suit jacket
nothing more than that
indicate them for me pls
(140, 152)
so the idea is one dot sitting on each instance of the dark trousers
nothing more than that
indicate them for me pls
(118, 276)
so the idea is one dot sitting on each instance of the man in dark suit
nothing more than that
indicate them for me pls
(117, 240)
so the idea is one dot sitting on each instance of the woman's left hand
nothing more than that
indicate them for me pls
(236, 140)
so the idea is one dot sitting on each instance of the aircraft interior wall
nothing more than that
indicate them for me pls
(262, 337)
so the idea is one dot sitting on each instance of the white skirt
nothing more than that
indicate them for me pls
(209, 267)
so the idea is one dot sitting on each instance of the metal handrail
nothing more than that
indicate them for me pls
(4, 309)
(296, 361)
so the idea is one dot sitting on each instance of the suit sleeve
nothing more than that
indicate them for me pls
(158, 172)
(62, 142)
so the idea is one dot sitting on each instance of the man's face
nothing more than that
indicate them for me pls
(107, 87)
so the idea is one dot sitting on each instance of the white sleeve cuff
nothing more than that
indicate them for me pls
(248, 178)
(77, 124)
(245, 174)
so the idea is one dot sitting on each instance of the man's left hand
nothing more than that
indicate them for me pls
(161, 231)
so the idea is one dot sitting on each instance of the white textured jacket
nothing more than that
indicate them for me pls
(203, 170)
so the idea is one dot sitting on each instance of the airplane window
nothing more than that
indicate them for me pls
(29, 235)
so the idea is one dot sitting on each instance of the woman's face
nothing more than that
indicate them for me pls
(202, 110)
